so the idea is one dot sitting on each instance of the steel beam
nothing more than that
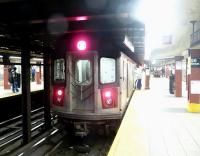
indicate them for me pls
(47, 89)
(26, 96)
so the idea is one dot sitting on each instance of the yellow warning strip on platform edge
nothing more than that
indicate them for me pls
(194, 107)
(131, 138)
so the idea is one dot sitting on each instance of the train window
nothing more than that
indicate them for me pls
(107, 70)
(83, 72)
(59, 70)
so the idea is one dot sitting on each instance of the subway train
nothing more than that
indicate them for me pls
(92, 80)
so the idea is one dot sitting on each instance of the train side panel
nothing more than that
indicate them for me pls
(127, 68)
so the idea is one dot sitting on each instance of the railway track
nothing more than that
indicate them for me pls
(58, 142)
(55, 142)
(93, 145)
(11, 131)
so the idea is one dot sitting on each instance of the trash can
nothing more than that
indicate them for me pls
(171, 84)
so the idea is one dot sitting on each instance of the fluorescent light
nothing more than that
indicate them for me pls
(37, 59)
(14, 57)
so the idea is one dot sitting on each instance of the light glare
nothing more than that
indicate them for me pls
(108, 94)
(81, 45)
(60, 92)
(160, 18)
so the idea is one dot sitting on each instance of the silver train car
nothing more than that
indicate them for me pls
(93, 81)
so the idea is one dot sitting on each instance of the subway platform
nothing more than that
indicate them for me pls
(8, 92)
(157, 124)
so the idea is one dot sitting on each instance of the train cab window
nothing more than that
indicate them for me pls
(83, 72)
(107, 70)
(59, 70)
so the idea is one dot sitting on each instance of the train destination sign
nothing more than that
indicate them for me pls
(195, 62)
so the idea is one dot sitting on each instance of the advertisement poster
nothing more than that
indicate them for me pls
(195, 87)
(178, 65)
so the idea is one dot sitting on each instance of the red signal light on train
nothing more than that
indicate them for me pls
(109, 97)
(81, 45)
(58, 98)
(107, 94)
(59, 92)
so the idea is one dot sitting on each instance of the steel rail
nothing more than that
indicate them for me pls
(18, 117)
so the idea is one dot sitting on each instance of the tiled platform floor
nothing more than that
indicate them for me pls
(158, 124)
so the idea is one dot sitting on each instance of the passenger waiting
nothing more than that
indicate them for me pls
(171, 83)
(33, 74)
(138, 82)
(13, 79)
(163, 71)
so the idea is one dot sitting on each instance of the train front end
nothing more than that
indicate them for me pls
(86, 85)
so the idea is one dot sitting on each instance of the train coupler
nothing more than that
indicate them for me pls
(80, 129)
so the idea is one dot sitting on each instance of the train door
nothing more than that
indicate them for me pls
(124, 82)
(125, 79)
(82, 83)
(130, 82)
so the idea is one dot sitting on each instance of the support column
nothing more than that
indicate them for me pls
(26, 96)
(178, 76)
(47, 89)
(194, 80)
(5, 77)
(6, 61)
(38, 73)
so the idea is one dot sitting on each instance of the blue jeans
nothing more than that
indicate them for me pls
(138, 84)
(15, 87)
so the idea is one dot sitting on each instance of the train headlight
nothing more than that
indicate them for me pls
(109, 97)
(107, 94)
(58, 96)
(81, 45)
(59, 92)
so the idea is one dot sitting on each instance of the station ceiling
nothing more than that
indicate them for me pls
(43, 21)
(32, 18)
(187, 11)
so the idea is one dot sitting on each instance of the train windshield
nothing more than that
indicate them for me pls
(59, 70)
(107, 70)
(83, 72)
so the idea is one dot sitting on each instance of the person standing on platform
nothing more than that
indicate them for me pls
(163, 71)
(138, 82)
(171, 83)
(33, 74)
(14, 80)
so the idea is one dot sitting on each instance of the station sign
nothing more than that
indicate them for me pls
(178, 65)
(195, 62)
(195, 87)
